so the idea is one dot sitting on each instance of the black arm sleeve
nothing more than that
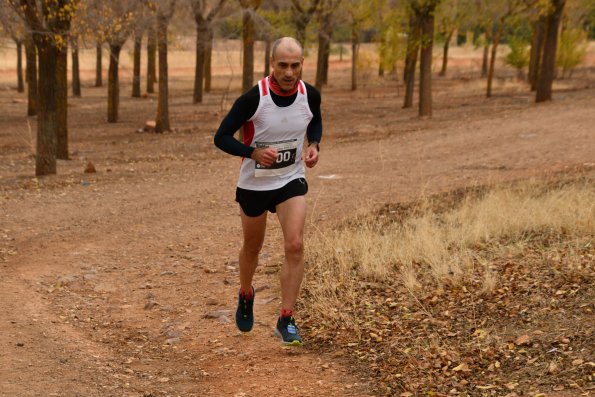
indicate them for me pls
(314, 131)
(241, 111)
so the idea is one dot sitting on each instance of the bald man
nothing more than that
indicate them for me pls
(282, 127)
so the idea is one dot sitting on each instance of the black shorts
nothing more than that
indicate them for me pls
(254, 202)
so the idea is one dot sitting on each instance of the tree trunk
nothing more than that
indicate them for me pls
(248, 49)
(425, 64)
(209, 60)
(199, 70)
(301, 22)
(267, 58)
(411, 60)
(20, 80)
(354, 54)
(548, 61)
(445, 53)
(493, 61)
(484, 60)
(138, 40)
(536, 51)
(162, 119)
(61, 94)
(31, 76)
(324, 40)
(325, 62)
(113, 84)
(98, 66)
(151, 59)
(76, 75)
(45, 159)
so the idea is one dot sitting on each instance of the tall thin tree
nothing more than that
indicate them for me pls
(548, 60)
(204, 14)
(249, 8)
(165, 11)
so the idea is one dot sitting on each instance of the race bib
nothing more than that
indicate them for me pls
(286, 157)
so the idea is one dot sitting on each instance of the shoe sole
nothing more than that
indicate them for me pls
(295, 343)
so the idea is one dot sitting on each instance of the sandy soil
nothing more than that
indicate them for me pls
(123, 282)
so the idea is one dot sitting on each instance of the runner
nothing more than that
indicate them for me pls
(276, 117)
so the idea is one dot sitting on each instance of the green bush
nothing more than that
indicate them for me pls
(572, 50)
(518, 57)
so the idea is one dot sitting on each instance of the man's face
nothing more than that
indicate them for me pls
(287, 66)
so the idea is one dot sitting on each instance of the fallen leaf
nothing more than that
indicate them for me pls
(523, 340)
(461, 367)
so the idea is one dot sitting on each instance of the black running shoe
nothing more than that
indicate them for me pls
(288, 331)
(244, 312)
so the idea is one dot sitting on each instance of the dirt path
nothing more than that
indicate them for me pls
(122, 283)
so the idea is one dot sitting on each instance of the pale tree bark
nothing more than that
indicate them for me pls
(547, 68)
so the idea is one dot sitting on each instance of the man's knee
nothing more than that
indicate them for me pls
(252, 247)
(294, 246)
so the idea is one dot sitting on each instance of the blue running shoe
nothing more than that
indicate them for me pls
(288, 331)
(244, 312)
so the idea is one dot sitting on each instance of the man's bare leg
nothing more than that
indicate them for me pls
(253, 230)
(292, 217)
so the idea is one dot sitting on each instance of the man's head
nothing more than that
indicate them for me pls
(287, 59)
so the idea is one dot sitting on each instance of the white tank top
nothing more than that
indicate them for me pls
(281, 127)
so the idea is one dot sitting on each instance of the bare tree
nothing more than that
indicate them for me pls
(547, 66)
(450, 15)
(115, 19)
(204, 14)
(49, 23)
(151, 58)
(15, 28)
(326, 11)
(98, 64)
(31, 55)
(537, 41)
(165, 10)
(76, 74)
(302, 11)
(249, 8)
(413, 40)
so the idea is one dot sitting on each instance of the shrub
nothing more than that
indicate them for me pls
(572, 50)
(518, 57)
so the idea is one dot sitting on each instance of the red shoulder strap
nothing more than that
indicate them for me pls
(263, 85)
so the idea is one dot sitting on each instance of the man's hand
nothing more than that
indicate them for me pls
(265, 156)
(311, 156)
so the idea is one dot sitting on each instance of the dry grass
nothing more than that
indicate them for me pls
(442, 246)
(469, 291)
